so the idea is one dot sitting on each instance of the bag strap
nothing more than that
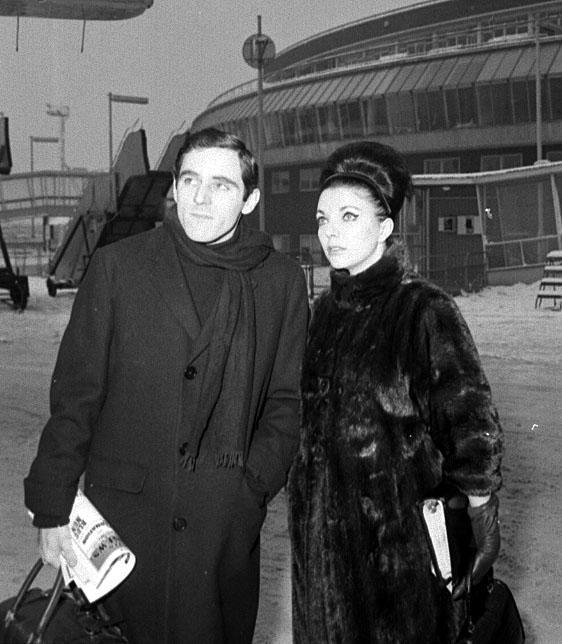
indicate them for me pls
(55, 594)
(22, 592)
(468, 602)
(56, 591)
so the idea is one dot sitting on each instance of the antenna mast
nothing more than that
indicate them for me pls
(62, 112)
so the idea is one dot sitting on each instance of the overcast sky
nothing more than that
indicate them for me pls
(179, 53)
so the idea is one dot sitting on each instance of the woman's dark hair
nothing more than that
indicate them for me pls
(375, 166)
(213, 138)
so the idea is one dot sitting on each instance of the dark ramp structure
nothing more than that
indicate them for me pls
(16, 285)
(129, 200)
(5, 154)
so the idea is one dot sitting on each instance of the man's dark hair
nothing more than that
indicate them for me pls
(213, 138)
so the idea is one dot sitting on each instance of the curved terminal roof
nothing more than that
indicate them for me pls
(434, 46)
(75, 9)
(391, 25)
(506, 64)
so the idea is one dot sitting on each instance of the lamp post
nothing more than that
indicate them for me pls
(259, 49)
(62, 112)
(118, 98)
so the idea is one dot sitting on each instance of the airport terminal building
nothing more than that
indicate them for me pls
(453, 85)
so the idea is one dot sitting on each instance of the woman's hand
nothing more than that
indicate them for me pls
(54, 542)
(486, 533)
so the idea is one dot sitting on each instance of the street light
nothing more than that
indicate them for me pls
(118, 98)
(258, 50)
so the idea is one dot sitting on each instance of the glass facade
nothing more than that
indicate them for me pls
(478, 90)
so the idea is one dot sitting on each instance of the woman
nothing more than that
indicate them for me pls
(395, 407)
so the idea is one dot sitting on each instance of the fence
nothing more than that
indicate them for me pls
(455, 273)
(521, 252)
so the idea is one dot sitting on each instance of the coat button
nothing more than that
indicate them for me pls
(190, 372)
(179, 523)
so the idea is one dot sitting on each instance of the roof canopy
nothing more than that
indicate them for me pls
(75, 9)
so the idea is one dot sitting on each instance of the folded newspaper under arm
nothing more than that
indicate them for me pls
(433, 513)
(104, 561)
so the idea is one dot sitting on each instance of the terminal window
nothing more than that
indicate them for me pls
(489, 162)
(309, 179)
(554, 155)
(446, 165)
(280, 183)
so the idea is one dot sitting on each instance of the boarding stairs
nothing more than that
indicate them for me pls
(550, 286)
(129, 200)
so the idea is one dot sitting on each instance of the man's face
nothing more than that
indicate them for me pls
(209, 194)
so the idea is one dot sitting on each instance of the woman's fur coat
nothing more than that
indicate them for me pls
(394, 402)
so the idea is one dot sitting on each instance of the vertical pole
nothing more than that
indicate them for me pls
(83, 36)
(110, 155)
(110, 134)
(61, 144)
(31, 168)
(538, 96)
(426, 207)
(538, 103)
(261, 181)
(484, 223)
(557, 210)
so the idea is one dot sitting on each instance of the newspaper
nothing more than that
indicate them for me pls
(434, 516)
(104, 561)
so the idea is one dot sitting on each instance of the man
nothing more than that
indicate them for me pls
(176, 391)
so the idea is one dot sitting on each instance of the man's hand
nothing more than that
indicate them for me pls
(486, 532)
(54, 542)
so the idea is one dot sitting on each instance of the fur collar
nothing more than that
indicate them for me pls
(356, 291)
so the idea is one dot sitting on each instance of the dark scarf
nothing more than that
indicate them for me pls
(226, 388)
(357, 291)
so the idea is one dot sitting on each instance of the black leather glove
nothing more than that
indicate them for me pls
(486, 534)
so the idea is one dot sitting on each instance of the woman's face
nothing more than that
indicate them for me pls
(350, 229)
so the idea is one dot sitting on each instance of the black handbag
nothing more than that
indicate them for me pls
(491, 614)
(57, 616)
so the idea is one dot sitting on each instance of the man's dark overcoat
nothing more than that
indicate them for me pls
(394, 401)
(129, 360)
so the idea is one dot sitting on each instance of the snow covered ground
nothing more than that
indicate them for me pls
(521, 349)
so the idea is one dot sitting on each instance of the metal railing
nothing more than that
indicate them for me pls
(465, 271)
(528, 251)
(40, 190)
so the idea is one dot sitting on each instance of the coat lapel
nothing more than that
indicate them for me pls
(162, 273)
